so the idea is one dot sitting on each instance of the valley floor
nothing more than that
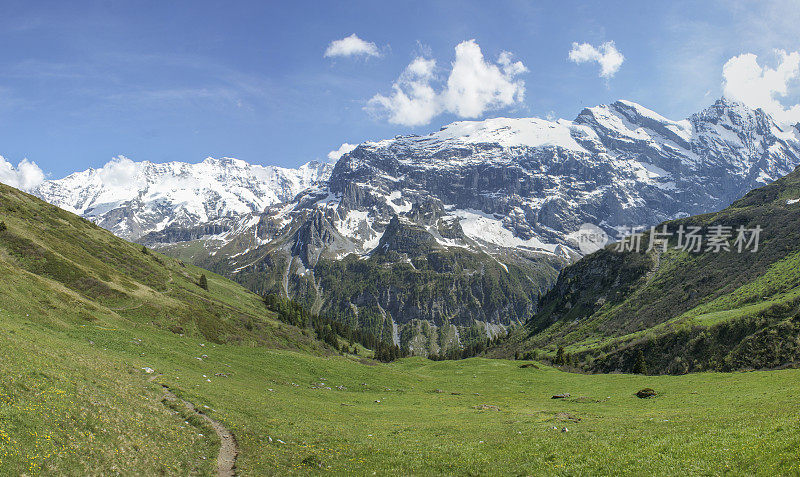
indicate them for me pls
(76, 400)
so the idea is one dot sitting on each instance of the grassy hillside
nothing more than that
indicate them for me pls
(64, 270)
(67, 403)
(685, 311)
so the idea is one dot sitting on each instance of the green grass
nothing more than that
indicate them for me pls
(76, 398)
(78, 271)
(69, 407)
(780, 283)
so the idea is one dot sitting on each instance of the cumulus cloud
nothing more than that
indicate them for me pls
(473, 86)
(119, 171)
(351, 46)
(413, 101)
(26, 176)
(334, 156)
(760, 87)
(607, 56)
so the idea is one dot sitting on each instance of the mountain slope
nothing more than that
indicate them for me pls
(84, 317)
(65, 270)
(529, 183)
(82, 369)
(685, 311)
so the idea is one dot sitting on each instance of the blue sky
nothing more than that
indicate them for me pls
(82, 82)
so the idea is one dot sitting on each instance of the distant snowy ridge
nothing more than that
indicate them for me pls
(479, 205)
(135, 198)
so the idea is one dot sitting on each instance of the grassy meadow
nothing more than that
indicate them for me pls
(76, 400)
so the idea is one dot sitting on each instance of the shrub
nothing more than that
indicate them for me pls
(645, 393)
(640, 366)
(2, 226)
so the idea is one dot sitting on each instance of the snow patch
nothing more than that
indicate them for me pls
(508, 132)
(395, 197)
(483, 227)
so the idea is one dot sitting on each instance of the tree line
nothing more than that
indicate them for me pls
(328, 329)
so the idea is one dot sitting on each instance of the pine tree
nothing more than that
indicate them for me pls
(2, 226)
(560, 359)
(203, 282)
(640, 366)
(145, 251)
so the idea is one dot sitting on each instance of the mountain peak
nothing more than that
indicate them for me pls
(508, 199)
(733, 108)
(638, 109)
(225, 162)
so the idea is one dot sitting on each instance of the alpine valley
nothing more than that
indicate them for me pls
(437, 242)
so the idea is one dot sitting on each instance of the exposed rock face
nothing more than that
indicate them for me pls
(314, 236)
(185, 234)
(406, 237)
(517, 180)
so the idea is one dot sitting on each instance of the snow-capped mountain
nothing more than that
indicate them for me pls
(529, 183)
(133, 199)
(510, 192)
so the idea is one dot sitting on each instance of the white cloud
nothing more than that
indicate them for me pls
(759, 87)
(26, 176)
(414, 101)
(473, 87)
(607, 56)
(334, 156)
(119, 171)
(351, 46)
